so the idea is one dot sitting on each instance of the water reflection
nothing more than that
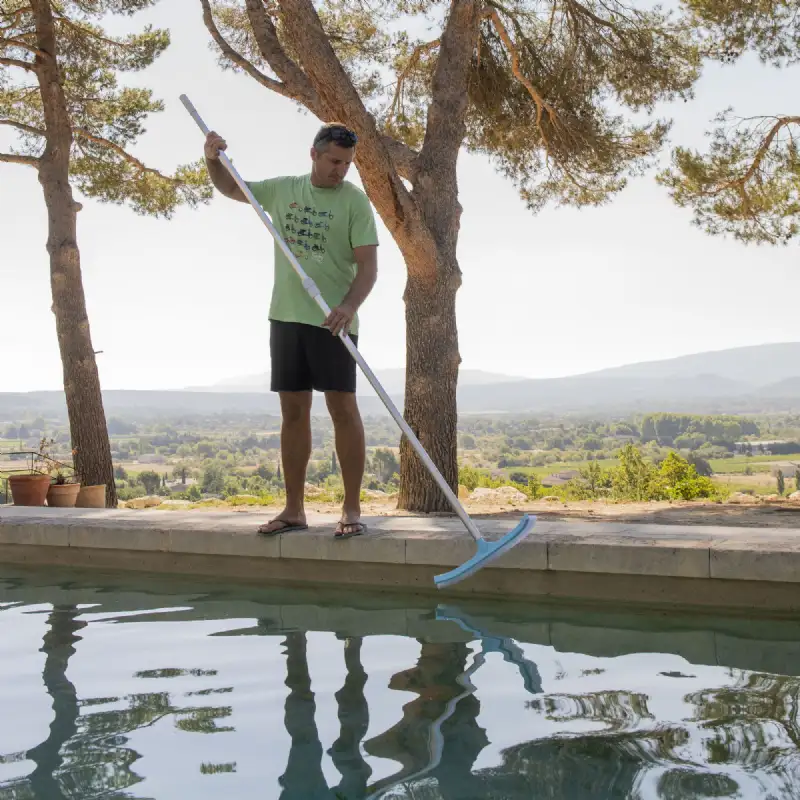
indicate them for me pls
(586, 730)
(58, 645)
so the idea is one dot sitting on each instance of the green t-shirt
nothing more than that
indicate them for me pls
(321, 227)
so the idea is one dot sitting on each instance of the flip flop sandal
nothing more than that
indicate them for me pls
(288, 527)
(342, 532)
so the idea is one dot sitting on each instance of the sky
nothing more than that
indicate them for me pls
(184, 302)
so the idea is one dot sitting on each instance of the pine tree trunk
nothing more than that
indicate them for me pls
(87, 420)
(432, 361)
(423, 221)
(432, 357)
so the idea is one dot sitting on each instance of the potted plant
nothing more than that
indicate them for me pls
(89, 496)
(30, 488)
(92, 496)
(63, 492)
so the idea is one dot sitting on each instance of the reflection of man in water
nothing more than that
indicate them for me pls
(353, 724)
(303, 778)
(434, 679)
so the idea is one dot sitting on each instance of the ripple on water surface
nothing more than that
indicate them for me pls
(128, 686)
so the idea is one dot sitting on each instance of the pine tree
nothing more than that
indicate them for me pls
(748, 183)
(781, 483)
(59, 95)
(540, 87)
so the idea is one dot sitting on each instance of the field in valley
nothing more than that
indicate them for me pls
(235, 457)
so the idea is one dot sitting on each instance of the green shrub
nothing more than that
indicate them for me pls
(259, 500)
(131, 492)
(473, 478)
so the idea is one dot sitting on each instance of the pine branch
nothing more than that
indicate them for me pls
(237, 58)
(401, 78)
(445, 127)
(22, 46)
(80, 133)
(273, 53)
(746, 185)
(582, 10)
(740, 183)
(15, 62)
(24, 128)
(541, 105)
(12, 158)
(13, 16)
(294, 83)
(65, 20)
(335, 96)
(340, 99)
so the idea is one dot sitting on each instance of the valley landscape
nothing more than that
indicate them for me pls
(731, 418)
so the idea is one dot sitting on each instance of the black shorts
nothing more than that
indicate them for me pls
(306, 358)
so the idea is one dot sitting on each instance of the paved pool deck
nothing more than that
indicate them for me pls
(722, 567)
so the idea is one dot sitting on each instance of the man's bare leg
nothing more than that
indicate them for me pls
(350, 447)
(295, 453)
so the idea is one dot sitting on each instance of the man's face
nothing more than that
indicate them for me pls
(331, 166)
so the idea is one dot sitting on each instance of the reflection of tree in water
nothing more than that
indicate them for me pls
(753, 723)
(435, 680)
(617, 710)
(86, 754)
(754, 726)
(596, 766)
(682, 784)
(102, 759)
(43, 782)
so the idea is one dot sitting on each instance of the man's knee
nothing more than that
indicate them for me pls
(296, 407)
(343, 407)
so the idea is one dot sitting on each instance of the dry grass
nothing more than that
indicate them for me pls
(762, 483)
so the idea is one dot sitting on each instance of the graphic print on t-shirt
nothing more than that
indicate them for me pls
(306, 228)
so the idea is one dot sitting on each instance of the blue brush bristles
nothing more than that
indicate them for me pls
(487, 551)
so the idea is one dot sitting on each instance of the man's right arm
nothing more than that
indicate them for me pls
(220, 177)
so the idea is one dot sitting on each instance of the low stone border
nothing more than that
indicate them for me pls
(705, 564)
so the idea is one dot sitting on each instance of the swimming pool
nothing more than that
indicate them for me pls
(126, 686)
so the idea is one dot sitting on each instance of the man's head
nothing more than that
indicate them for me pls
(332, 153)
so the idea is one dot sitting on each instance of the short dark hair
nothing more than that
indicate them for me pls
(335, 132)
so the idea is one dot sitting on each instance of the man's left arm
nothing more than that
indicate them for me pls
(366, 258)
(364, 240)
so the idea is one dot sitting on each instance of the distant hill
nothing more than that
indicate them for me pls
(757, 365)
(392, 380)
(789, 387)
(742, 380)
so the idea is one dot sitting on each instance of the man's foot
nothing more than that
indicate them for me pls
(283, 524)
(346, 529)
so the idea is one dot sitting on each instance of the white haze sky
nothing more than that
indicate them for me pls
(184, 302)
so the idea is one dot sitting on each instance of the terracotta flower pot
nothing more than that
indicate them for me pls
(63, 495)
(29, 490)
(92, 497)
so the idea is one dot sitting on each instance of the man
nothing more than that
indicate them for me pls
(329, 225)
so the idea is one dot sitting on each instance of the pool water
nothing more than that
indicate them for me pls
(117, 686)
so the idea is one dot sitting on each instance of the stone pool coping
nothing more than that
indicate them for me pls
(705, 565)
